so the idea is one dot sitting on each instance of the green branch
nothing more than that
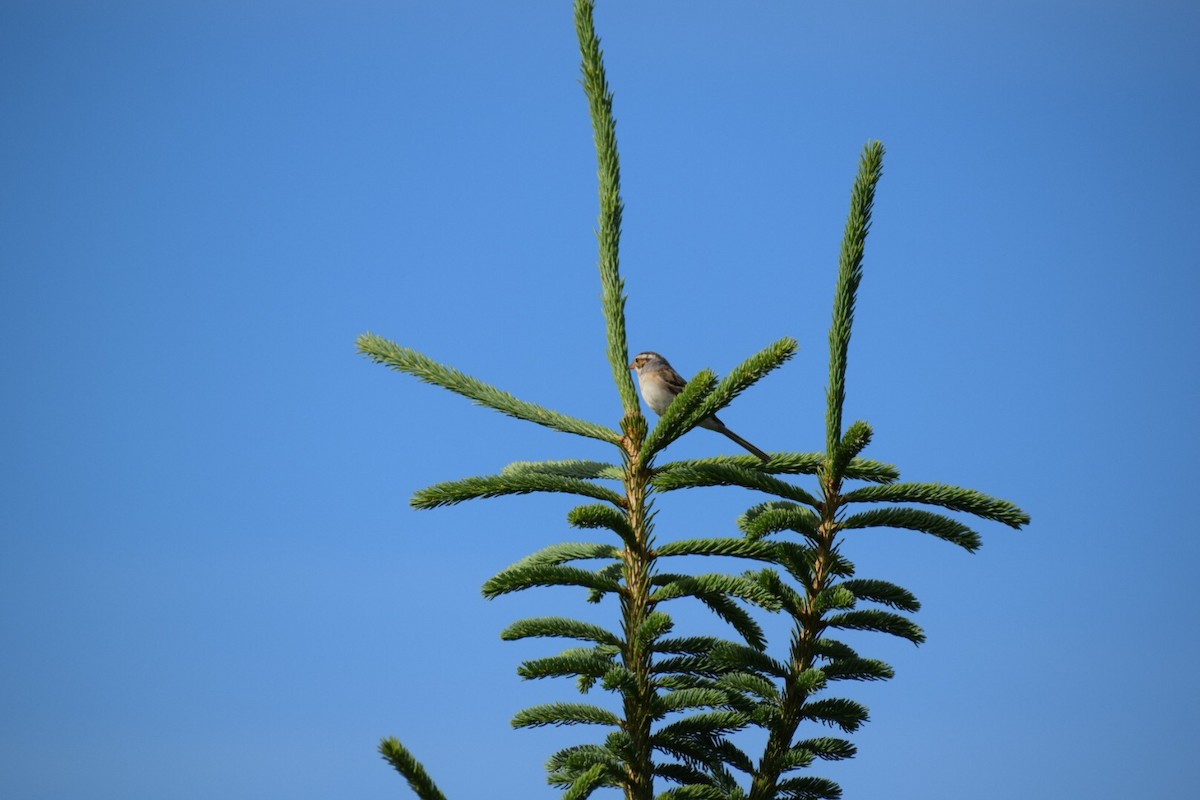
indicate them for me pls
(858, 669)
(600, 516)
(596, 776)
(555, 554)
(850, 271)
(604, 126)
(407, 765)
(577, 662)
(879, 621)
(734, 548)
(883, 592)
(560, 628)
(779, 515)
(839, 712)
(713, 474)
(571, 468)
(680, 417)
(451, 492)
(564, 714)
(939, 494)
(915, 519)
(404, 359)
(520, 578)
(745, 375)
(794, 464)
(809, 788)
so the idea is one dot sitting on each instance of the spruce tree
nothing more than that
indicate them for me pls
(682, 699)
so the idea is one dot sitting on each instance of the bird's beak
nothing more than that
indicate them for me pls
(632, 366)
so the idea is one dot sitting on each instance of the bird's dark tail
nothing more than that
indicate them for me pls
(744, 443)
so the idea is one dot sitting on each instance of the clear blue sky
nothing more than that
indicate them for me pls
(211, 584)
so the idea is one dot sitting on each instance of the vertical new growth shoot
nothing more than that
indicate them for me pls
(636, 557)
(820, 566)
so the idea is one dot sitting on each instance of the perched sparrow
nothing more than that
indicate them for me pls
(661, 384)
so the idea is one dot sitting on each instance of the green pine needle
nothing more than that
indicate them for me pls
(452, 492)
(656, 624)
(808, 788)
(407, 765)
(518, 579)
(745, 375)
(916, 519)
(748, 683)
(739, 658)
(833, 598)
(584, 768)
(874, 619)
(794, 464)
(571, 468)
(565, 552)
(599, 516)
(559, 628)
(682, 774)
(838, 712)
(597, 775)
(713, 584)
(404, 359)
(686, 699)
(697, 475)
(939, 494)
(578, 758)
(807, 682)
(737, 618)
(796, 758)
(856, 439)
(577, 661)
(792, 602)
(858, 669)
(712, 723)
(850, 271)
(829, 748)
(687, 645)
(775, 516)
(604, 126)
(865, 469)
(564, 714)
(734, 548)
(695, 792)
(713, 752)
(882, 592)
(680, 417)
(832, 649)
(780, 463)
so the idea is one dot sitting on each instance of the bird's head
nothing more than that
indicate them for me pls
(648, 359)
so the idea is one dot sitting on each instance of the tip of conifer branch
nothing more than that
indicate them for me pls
(370, 345)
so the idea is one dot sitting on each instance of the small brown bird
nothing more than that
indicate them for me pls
(661, 384)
